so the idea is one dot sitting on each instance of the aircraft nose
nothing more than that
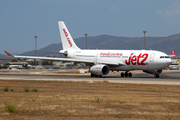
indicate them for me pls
(168, 61)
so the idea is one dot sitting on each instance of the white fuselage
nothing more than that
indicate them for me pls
(131, 59)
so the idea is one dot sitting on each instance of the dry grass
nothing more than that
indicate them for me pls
(78, 100)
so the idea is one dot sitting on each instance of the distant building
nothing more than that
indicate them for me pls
(19, 65)
(174, 61)
(5, 59)
(175, 64)
(67, 65)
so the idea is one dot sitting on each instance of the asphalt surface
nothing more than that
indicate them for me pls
(171, 77)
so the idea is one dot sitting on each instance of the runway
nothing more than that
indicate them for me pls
(166, 77)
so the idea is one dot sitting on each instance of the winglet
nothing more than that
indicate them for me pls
(7, 53)
(173, 52)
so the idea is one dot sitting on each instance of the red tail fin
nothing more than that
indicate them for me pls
(173, 52)
(7, 53)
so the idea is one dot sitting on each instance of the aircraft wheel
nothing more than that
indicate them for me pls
(100, 76)
(156, 75)
(126, 74)
(96, 76)
(130, 74)
(92, 75)
(122, 74)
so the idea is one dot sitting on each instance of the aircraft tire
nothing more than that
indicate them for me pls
(100, 76)
(92, 75)
(130, 74)
(126, 74)
(96, 76)
(122, 74)
(156, 75)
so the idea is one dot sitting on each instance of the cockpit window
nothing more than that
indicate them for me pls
(164, 57)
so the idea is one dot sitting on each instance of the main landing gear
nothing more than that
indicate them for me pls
(93, 75)
(156, 75)
(126, 74)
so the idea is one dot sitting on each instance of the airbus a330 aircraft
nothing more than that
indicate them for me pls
(102, 61)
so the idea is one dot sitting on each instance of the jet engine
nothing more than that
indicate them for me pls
(154, 72)
(99, 69)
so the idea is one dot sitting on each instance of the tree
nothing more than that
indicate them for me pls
(14, 60)
(47, 62)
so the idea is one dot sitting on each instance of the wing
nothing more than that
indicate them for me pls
(55, 59)
(69, 60)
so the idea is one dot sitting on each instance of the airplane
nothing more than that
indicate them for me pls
(18, 66)
(100, 62)
(14, 66)
(174, 66)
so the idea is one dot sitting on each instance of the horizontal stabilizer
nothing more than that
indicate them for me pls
(49, 51)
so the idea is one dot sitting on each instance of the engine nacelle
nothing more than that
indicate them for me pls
(99, 69)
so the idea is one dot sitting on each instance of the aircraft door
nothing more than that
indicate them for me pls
(74, 55)
(96, 58)
(152, 57)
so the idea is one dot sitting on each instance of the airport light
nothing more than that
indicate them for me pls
(35, 45)
(144, 40)
(86, 40)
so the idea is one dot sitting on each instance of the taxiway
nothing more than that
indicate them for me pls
(166, 77)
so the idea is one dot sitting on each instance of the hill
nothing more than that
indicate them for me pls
(1, 55)
(164, 44)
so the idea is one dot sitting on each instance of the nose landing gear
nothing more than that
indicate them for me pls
(156, 75)
(126, 74)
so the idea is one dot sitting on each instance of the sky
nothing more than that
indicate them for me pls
(21, 20)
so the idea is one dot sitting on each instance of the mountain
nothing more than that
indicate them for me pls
(51, 47)
(164, 44)
(1, 55)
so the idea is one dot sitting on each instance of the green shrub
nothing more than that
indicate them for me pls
(26, 89)
(10, 108)
(12, 90)
(97, 100)
(6, 89)
(34, 90)
(121, 102)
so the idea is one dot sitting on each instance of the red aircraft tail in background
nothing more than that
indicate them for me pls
(173, 52)
(7, 53)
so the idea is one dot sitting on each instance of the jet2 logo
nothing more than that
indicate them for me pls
(66, 34)
(133, 59)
